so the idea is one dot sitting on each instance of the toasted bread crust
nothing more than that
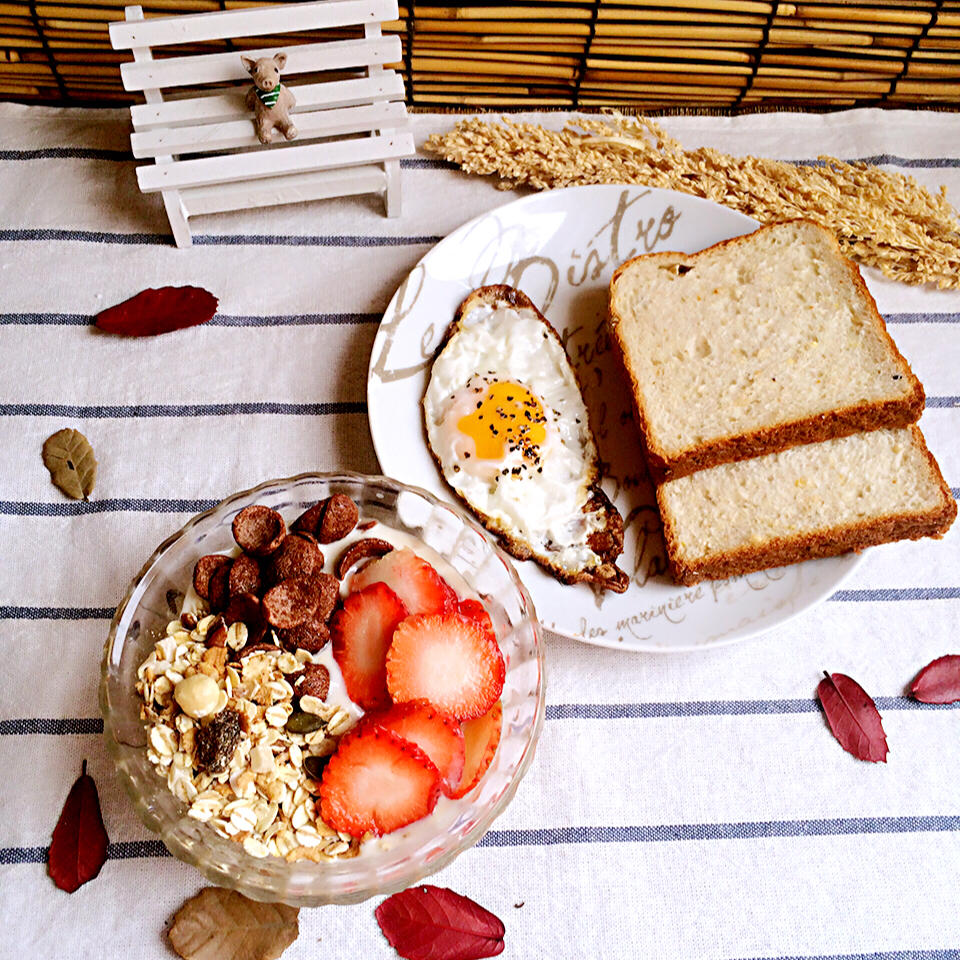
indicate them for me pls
(900, 411)
(606, 543)
(831, 542)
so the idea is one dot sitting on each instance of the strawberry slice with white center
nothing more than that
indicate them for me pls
(439, 736)
(481, 737)
(376, 783)
(475, 610)
(411, 578)
(447, 659)
(361, 632)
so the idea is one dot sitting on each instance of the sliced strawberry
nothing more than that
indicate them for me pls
(475, 610)
(481, 737)
(412, 579)
(447, 659)
(436, 734)
(361, 631)
(377, 782)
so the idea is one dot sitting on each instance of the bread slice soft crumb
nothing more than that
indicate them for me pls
(754, 345)
(815, 500)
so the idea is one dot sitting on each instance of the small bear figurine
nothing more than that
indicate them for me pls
(269, 99)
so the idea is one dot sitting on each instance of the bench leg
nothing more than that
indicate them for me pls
(391, 195)
(177, 216)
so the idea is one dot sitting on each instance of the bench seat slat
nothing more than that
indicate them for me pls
(219, 67)
(249, 22)
(235, 134)
(183, 174)
(219, 108)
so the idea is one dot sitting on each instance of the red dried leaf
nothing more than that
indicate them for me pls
(853, 717)
(78, 848)
(434, 923)
(938, 681)
(159, 311)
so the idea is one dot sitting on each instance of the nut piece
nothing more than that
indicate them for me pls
(197, 695)
(259, 529)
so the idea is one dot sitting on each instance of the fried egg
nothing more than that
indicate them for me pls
(508, 427)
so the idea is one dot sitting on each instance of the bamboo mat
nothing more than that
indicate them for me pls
(720, 55)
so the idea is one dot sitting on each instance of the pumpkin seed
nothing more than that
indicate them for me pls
(314, 766)
(300, 722)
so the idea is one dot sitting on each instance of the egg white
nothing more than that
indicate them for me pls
(536, 502)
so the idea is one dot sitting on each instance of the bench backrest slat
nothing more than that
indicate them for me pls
(249, 22)
(236, 134)
(221, 107)
(219, 67)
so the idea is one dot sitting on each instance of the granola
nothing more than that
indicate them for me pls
(246, 773)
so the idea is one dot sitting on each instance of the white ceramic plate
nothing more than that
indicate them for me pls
(561, 248)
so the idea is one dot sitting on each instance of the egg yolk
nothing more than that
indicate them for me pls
(506, 414)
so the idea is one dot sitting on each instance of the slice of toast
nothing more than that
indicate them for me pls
(540, 493)
(754, 345)
(814, 500)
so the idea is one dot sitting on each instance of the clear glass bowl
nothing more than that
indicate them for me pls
(406, 856)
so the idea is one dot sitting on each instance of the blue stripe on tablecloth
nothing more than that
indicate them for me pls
(938, 954)
(79, 726)
(748, 830)
(427, 163)
(126, 850)
(8, 612)
(126, 156)
(118, 411)
(79, 508)
(265, 240)
(716, 708)
(111, 412)
(333, 319)
(897, 594)
(922, 317)
(295, 320)
(656, 833)
(52, 727)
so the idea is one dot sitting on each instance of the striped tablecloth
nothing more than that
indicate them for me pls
(680, 806)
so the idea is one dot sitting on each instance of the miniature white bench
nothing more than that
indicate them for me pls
(208, 158)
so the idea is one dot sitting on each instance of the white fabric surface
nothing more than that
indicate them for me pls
(680, 806)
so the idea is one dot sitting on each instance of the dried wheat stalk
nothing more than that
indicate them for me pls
(884, 220)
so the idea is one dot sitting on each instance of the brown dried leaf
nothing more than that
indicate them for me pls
(71, 462)
(219, 924)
